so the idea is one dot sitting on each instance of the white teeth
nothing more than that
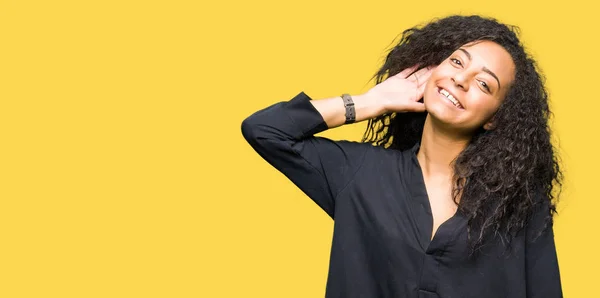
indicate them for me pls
(451, 98)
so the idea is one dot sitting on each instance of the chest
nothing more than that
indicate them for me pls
(400, 208)
(439, 195)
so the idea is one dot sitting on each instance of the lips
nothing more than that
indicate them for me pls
(451, 98)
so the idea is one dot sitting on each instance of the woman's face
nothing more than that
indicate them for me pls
(466, 89)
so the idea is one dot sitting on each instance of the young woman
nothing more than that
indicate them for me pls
(450, 194)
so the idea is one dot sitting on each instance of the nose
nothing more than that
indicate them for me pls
(460, 80)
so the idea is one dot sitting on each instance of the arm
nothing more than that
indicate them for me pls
(283, 135)
(334, 113)
(398, 93)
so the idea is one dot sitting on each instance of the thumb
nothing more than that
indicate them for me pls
(416, 107)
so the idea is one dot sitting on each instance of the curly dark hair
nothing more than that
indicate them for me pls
(504, 173)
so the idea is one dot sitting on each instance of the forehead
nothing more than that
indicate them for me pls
(492, 56)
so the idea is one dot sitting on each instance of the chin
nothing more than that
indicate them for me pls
(441, 113)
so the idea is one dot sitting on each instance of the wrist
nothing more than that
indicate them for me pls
(370, 105)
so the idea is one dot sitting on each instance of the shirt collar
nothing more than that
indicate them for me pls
(415, 148)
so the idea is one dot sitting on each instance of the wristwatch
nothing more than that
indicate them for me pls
(350, 111)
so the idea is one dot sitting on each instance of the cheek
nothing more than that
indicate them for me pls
(484, 107)
(430, 90)
(442, 70)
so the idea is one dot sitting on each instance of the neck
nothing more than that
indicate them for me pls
(439, 148)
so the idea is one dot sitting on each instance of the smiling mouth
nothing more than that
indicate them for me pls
(450, 98)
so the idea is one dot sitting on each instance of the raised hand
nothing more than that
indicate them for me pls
(401, 92)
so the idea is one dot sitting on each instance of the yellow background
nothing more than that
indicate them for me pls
(124, 172)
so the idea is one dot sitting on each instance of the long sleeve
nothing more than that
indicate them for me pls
(283, 135)
(543, 275)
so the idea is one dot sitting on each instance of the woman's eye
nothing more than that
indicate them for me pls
(455, 61)
(485, 85)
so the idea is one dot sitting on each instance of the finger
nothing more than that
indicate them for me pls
(423, 79)
(404, 73)
(420, 91)
(417, 107)
(418, 76)
(421, 72)
(413, 78)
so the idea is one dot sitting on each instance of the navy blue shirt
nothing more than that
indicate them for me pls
(382, 244)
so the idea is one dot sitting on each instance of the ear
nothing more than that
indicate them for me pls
(489, 125)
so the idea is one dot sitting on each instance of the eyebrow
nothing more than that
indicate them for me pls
(484, 68)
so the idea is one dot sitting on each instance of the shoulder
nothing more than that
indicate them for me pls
(379, 159)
